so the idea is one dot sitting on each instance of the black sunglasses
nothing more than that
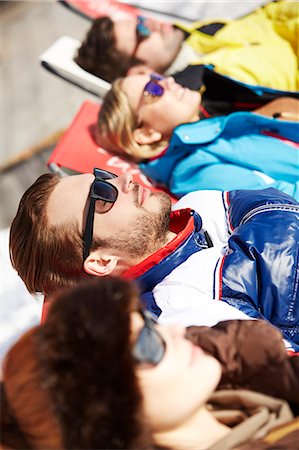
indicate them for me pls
(150, 346)
(99, 190)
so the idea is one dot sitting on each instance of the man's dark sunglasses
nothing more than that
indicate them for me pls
(99, 190)
(150, 346)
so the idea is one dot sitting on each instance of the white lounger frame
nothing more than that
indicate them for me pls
(59, 59)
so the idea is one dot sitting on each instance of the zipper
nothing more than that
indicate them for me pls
(264, 208)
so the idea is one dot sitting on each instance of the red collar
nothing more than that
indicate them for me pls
(182, 223)
(159, 155)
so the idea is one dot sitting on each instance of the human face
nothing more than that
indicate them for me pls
(158, 50)
(136, 225)
(177, 105)
(181, 383)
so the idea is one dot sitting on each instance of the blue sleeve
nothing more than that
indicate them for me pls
(259, 270)
(219, 176)
(224, 177)
(241, 202)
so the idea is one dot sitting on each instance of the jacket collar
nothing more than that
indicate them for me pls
(190, 239)
(204, 131)
(183, 223)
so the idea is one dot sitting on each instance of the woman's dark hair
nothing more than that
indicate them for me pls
(27, 417)
(99, 55)
(71, 383)
(86, 357)
(11, 435)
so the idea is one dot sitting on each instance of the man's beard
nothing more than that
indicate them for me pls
(147, 233)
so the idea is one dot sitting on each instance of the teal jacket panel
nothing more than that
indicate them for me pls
(227, 153)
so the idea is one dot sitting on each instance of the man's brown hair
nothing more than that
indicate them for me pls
(46, 257)
(98, 53)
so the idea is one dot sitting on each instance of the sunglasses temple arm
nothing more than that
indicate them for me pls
(88, 231)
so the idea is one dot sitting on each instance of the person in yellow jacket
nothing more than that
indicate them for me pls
(258, 49)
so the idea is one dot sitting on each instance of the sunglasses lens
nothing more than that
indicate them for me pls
(150, 346)
(141, 28)
(106, 191)
(154, 89)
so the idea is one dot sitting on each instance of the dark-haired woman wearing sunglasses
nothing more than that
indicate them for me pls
(155, 121)
(100, 374)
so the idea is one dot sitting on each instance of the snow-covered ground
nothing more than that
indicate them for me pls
(18, 309)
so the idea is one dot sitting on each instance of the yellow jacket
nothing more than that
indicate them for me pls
(258, 49)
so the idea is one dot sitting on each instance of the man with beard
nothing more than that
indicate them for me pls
(241, 249)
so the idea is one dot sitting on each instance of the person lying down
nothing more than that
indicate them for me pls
(100, 373)
(159, 124)
(258, 49)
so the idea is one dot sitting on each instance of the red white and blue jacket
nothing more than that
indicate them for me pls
(251, 271)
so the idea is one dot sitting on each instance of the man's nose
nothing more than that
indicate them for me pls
(153, 24)
(124, 182)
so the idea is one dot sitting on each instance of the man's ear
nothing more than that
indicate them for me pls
(100, 265)
(144, 135)
(140, 69)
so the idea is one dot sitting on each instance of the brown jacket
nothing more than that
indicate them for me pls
(253, 356)
(257, 421)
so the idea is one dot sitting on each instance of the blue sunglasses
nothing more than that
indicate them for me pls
(142, 32)
(142, 29)
(153, 88)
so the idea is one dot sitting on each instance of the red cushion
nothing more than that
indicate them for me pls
(111, 8)
(45, 309)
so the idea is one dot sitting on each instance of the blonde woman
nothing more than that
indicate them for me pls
(158, 123)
